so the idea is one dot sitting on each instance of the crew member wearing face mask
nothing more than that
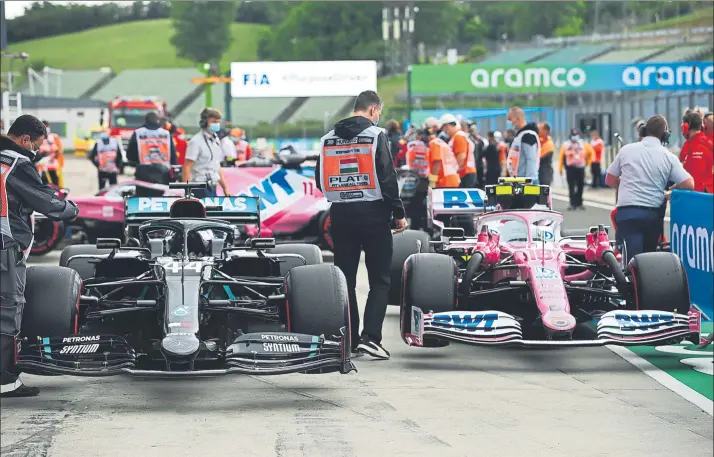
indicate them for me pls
(575, 154)
(107, 157)
(153, 149)
(21, 194)
(204, 155)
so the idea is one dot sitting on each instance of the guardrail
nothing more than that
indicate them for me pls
(692, 239)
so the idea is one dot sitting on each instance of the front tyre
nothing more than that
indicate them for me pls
(404, 244)
(659, 282)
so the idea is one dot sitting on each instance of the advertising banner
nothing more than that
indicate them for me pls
(302, 79)
(500, 79)
(692, 239)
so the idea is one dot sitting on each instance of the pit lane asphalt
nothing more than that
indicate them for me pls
(455, 401)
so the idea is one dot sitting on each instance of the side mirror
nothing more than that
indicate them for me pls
(453, 233)
(108, 243)
(262, 243)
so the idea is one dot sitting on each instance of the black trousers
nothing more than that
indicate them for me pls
(416, 210)
(12, 303)
(576, 181)
(597, 174)
(639, 229)
(376, 242)
(104, 178)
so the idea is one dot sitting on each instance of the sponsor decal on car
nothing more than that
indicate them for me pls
(471, 322)
(80, 339)
(545, 273)
(181, 311)
(80, 349)
(279, 337)
(281, 347)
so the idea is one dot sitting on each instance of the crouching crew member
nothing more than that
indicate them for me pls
(640, 173)
(356, 173)
(21, 193)
(106, 156)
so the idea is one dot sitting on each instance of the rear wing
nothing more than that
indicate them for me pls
(237, 210)
(453, 201)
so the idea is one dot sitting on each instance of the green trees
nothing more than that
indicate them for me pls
(202, 30)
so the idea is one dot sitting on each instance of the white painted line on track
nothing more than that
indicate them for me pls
(591, 203)
(666, 380)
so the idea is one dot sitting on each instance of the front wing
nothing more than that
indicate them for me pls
(267, 353)
(494, 328)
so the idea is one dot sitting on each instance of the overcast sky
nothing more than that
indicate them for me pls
(14, 8)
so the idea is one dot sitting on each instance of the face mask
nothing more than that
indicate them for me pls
(509, 124)
(34, 149)
(574, 139)
(235, 139)
(214, 127)
(48, 130)
(105, 136)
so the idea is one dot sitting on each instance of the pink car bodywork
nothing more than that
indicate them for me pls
(531, 242)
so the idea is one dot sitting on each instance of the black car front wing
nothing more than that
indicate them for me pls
(266, 353)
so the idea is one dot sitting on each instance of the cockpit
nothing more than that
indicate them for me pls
(526, 228)
(192, 239)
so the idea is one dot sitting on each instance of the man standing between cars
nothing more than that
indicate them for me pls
(418, 163)
(576, 155)
(356, 174)
(152, 148)
(598, 146)
(463, 148)
(524, 153)
(443, 167)
(107, 157)
(493, 164)
(696, 154)
(204, 155)
(640, 173)
(545, 168)
(21, 193)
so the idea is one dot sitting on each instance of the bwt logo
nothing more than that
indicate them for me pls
(694, 245)
(255, 79)
(462, 199)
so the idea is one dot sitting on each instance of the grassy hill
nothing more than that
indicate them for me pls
(700, 18)
(143, 44)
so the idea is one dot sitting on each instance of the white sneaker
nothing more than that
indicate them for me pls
(367, 346)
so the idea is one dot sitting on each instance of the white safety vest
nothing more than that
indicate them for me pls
(107, 156)
(348, 170)
(154, 145)
(514, 152)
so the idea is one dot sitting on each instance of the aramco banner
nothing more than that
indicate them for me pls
(534, 78)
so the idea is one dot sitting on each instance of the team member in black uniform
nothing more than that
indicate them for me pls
(356, 173)
(21, 193)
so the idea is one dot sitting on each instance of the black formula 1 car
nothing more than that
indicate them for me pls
(191, 300)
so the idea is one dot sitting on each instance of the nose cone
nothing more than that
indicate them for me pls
(559, 321)
(180, 346)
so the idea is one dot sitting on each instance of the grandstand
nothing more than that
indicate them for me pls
(72, 83)
(629, 55)
(683, 52)
(169, 84)
(578, 53)
(517, 56)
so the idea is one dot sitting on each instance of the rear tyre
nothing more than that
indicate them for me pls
(404, 244)
(55, 315)
(317, 302)
(83, 266)
(48, 234)
(430, 284)
(311, 253)
(659, 282)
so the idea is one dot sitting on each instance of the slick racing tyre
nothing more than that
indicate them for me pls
(430, 284)
(311, 253)
(317, 302)
(55, 314)
(47, 235)
(659, 282)
(324, 225)
(83, 266)
(404, 244)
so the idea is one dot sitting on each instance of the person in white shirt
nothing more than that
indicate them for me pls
(204, 155)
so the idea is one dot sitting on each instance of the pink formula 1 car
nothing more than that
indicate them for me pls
(521, 282)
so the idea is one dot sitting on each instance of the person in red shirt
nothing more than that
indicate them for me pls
(697, 153)
(179, 137)
(709, 126)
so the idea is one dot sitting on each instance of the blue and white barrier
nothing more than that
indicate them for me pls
(692, 239)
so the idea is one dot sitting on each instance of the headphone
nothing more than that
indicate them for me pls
(685, 128)
(665, 136)
(203, 122)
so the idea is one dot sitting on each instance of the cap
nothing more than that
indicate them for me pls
(431, 122)
(448, 118)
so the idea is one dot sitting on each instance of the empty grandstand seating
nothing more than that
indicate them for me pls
(571, 54)
(244, 111)
(628, 55)
(169, 84)
(320, 108)
(72, 83)
(682, 52)
(517, 56)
